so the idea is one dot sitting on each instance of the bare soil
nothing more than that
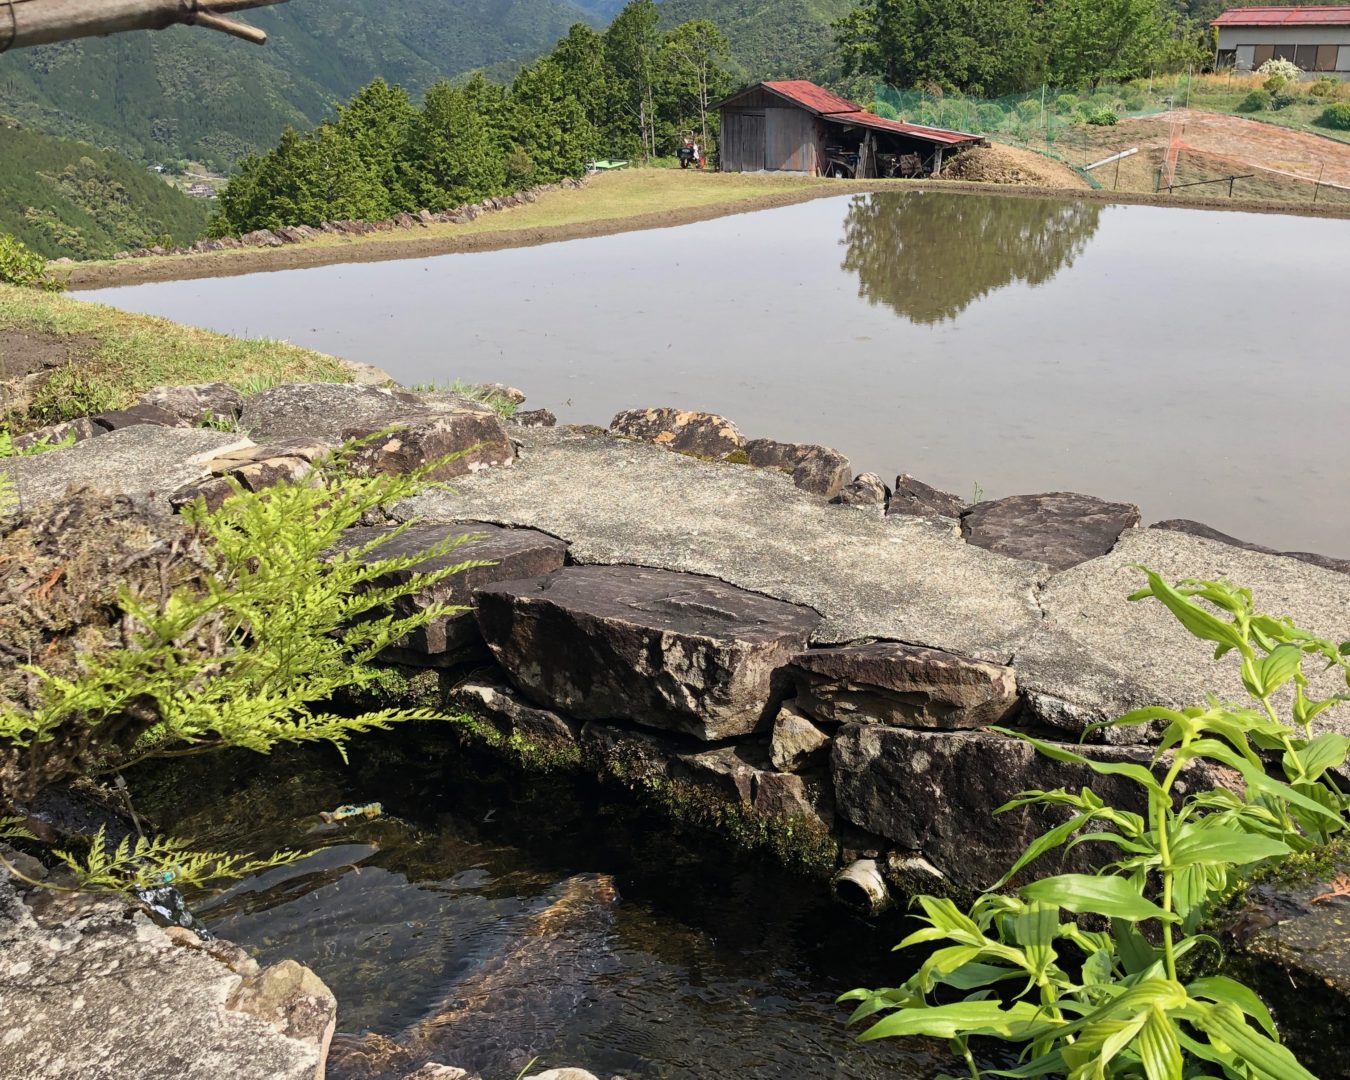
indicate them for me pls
(28, 352)
(1000, 164)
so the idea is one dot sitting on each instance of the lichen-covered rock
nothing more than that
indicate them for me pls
(1060, 528)
(915, 498)
(90, 988)
(203, 401)
(1198, 528)
(700, 434)
(816, 469)
(866, 490)
(53, 434)
(509, 555)
(902, 685)
(464, 442)
(665, 650)
(798, 742)
(534, 418)
(321, 410)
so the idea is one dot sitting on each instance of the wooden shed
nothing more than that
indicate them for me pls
(797, 126)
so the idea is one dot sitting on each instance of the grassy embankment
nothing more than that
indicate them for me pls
(100, 358)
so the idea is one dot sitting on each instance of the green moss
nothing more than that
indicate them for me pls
(737, 457)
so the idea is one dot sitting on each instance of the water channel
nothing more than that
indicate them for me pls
(1191, 361)
(530, 920)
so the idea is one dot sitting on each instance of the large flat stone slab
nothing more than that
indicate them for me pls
(1099, 655)
(141, 460)
(668, 651)
(618, 501)
(511, 554)
(1058, 528)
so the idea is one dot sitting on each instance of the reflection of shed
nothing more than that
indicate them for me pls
(797, 126)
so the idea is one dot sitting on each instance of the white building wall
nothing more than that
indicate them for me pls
(1245, 39)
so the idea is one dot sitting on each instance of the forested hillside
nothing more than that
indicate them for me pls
(768, 38)
(66, 198)
(183, 93)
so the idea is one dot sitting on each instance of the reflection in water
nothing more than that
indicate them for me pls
(931, 258)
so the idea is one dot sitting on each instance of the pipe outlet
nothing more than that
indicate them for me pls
(862, 887)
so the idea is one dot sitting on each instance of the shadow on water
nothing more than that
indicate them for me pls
(928, 259)
(485, 920)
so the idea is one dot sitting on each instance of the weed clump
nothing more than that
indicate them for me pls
(1336, 117)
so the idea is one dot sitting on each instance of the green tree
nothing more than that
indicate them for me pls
(379, 121)
(580, 57)
(1095, 40)
(631, 45)
(984, 47)
(455, 153)
(549, 125)
(693, 64)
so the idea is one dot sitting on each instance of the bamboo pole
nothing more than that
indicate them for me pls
(39, 22)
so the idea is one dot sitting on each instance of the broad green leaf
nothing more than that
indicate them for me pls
(1324, 752)
(1159, 1048)
(1113, 897)
(973, 976)
(1221, 988)
(1045, 842)
(1271, 1060)
(1201, 623)
(948, 1021)
(1279, 667)
(1257, 780)
(1138, 773)
(1224, 844)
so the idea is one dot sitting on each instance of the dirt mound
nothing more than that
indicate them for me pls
(997, 164)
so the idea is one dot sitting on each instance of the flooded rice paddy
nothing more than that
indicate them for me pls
(482, 922)
(1193, 362)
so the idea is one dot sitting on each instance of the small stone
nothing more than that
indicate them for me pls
(700, 434)
(563, 1074)
(903, 686)
(866, 490)
(1060, 528)
(534, 418)
(816, 469)
(797, 741)
(915, 498)
(432, 1071)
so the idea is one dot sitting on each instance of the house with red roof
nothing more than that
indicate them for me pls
(1316, 38)
(799, 127)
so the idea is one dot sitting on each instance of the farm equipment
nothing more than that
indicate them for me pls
(689, 154)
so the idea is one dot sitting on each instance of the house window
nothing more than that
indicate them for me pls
(1262, 54)
(1326, 58)
(1285, 52)
(1226, 58)
(1306, 57)
(1343, 64)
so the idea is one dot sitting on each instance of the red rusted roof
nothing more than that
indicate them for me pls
(862, 118)
(1285, 16)
(813, 97)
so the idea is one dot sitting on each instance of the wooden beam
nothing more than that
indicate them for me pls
(39, 22)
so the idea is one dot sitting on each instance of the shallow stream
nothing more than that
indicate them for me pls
(1190, 361)
(531, 919)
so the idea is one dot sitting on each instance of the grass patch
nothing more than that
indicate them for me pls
(127, 354)
(503, 406)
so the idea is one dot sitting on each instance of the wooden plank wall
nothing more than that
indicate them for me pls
(776, 138)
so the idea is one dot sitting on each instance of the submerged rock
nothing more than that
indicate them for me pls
(665, 650)
(902, 685)
(700, 434)
(1060, 529)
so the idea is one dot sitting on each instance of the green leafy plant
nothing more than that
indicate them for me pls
(1103, 117)
(68, 394)
(1336, 117)
(1092, 1004)
(151, 862)
(41, 446)
(249, 653)
(19, 266)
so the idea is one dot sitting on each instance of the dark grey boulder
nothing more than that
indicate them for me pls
(1059, 528)
(902, 685)
(463, 443)
(669, 651)
(917, 499)
(816, 469)
(215, 401)
(700, 434)
(116, 419)
(534, 418)
(866, 490)
(453, 638)
(320, 410)
(1197, 528)
(740, 776)
(934, 795)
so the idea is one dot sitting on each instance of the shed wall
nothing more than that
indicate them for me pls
(741, 144)
(792, 141)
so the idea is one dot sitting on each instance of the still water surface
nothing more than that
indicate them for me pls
(1194, 362)
(532, 920)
